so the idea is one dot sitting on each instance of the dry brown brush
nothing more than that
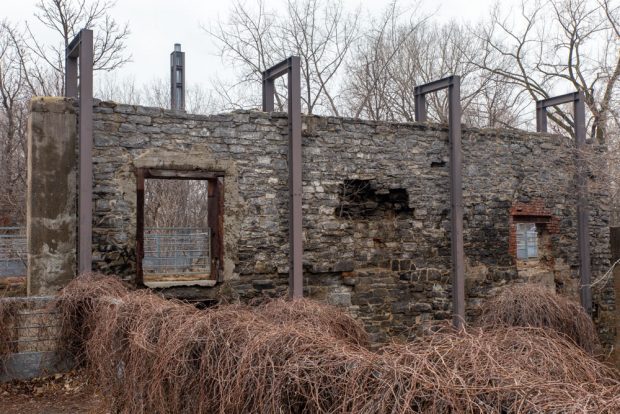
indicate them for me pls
(508, 369)
(531, 305)
(152, 355)
(8, 331)
(312, 315)
(80, 309)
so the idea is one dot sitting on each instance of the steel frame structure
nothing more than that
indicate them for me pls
(291, 68)
(453, 84)
(79, 54)
(583, 238)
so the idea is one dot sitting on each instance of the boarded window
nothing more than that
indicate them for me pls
(527, 241)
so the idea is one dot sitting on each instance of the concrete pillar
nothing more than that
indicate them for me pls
(51, 200)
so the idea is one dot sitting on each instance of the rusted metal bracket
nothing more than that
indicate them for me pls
(583, 237)
(79, 53)
(453, 84)
(291, 67)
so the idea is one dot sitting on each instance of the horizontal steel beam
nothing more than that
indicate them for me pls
(558, 100)
(278, 69)
(73, 49)
(434, 86)
(181, 175)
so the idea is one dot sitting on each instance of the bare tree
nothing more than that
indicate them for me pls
(402, 50)
(65, 18)
(32, 65)
(176, 203)
(13, 113)
(155, 93)
(321, 33)
(558, 45)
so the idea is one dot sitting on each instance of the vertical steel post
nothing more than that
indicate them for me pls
(268, 92)
(86, 147)
(453, 84)
(71, 76)
(292, 68)
(456, 198)
(140, 176)
(420, 107)
(583, 237)
(79, 55)
(541, 118)
(295, 182)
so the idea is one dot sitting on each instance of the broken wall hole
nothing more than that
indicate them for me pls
(179, 240)
(360, 199)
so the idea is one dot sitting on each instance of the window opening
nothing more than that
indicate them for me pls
(527, 241)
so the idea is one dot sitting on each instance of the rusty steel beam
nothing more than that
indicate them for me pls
(292, 68)
(583, 236)
(79, 55)
(140, 176)
(453, 84)
(71, 76)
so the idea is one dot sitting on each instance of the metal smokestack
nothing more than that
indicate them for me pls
(177, 78)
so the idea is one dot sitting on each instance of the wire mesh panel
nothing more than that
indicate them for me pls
(13, 248)
(176, 251)
(29, 344)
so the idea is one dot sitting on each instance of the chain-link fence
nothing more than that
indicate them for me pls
(176, 251)
(13, 248)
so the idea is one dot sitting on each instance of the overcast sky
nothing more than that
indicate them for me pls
(157, 24)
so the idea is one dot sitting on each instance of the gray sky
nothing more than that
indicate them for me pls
(157, 24)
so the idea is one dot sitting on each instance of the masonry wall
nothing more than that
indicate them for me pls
(375, 203)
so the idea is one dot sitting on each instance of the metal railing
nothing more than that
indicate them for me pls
(13, 251)
(174, 250)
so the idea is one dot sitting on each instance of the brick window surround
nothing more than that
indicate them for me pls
(530, 212)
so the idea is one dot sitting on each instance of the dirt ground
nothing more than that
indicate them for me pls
(58, 394)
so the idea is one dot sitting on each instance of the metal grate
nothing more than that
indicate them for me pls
(174, 251)
(29, 347)
(13, 249)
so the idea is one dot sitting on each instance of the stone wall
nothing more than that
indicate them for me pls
(376, 209)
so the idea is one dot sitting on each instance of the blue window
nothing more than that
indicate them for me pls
(527, 241)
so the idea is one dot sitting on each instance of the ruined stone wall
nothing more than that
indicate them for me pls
(375, 202)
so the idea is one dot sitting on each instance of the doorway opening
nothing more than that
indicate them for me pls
(179, 228)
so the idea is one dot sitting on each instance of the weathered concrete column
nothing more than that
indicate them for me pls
(51, 210)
